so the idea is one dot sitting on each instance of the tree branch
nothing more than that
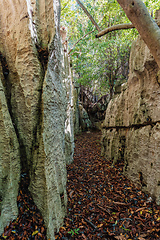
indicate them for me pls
(138, 14)
(89, 15)
(114, 28)
(65, 6)
(80, 40)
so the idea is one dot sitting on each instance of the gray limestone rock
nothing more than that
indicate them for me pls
(9, 164)
(48, 170)
(131, 125)
(33, 102)
(69, 124)
(85, 122)
(76, 108)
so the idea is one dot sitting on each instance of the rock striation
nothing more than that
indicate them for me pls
(33, 106)
(9, 164)
(69, 86)
(131, 130)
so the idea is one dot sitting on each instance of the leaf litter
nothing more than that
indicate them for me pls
(29, 223)
(102, 202)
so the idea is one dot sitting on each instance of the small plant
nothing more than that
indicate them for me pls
(75, 231)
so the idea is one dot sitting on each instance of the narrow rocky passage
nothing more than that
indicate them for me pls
(102, 203)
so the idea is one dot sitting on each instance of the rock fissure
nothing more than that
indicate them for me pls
(43, 55)
(37, 131)
(134, 126)
(7, 88)
(4, 66)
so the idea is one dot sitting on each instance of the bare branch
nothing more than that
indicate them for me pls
(114, 28)
(65, 6)
(89, 15)
(80, 40)
(75, 52)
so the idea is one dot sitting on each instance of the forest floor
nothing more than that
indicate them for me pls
(102, 202)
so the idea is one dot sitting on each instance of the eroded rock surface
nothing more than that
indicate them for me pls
(76, 119)
(68, 81)
(9, 164)
(85, 122)
(131, 130)
(33, 108)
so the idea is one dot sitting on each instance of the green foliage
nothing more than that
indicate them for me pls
(73, 232)
(99, 63)
(152, 5)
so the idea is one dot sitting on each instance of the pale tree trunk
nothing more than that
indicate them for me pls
(138, 14)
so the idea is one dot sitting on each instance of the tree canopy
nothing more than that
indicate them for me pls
(99, 63)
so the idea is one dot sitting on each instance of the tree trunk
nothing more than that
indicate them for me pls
(138, 14)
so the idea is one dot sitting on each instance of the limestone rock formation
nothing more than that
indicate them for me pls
(131, 130)
(33, 107)
(9, 164)
(85, 122)
(69, 125)
(76, 108)
(68, 81)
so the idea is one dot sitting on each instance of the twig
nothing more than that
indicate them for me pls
(92, 225)
(105, 210)
(64, 6)
(89, 179)
(139, 209)
(80, 40)
(120, 203)
(89, 15)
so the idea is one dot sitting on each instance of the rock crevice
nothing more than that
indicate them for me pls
(134, 126)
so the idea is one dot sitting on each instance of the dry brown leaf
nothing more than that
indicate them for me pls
(71, 193)
(84, 237)
(121, 237)
(100, 225)
(141, 237)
